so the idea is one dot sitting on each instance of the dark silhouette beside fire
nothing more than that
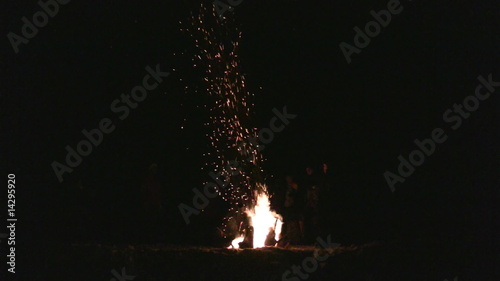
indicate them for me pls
(304, 204)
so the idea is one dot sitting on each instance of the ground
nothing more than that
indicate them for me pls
(374, 261)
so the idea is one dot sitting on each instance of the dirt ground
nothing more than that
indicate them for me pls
(370, 262)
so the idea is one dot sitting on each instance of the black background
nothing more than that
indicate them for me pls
(356, 117)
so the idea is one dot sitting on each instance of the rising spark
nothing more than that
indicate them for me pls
(236, 155)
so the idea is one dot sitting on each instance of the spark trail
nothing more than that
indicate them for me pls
(233, 138)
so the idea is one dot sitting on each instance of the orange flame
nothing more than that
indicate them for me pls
(264, 221)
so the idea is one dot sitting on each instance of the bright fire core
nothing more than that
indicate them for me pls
(264, 221)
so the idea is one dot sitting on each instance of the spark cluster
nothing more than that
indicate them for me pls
(234, 151)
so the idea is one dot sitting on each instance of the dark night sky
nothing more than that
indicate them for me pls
(357, 117)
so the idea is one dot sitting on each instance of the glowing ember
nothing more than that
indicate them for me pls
(277, 229)
(264, 221)
(235, 244)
